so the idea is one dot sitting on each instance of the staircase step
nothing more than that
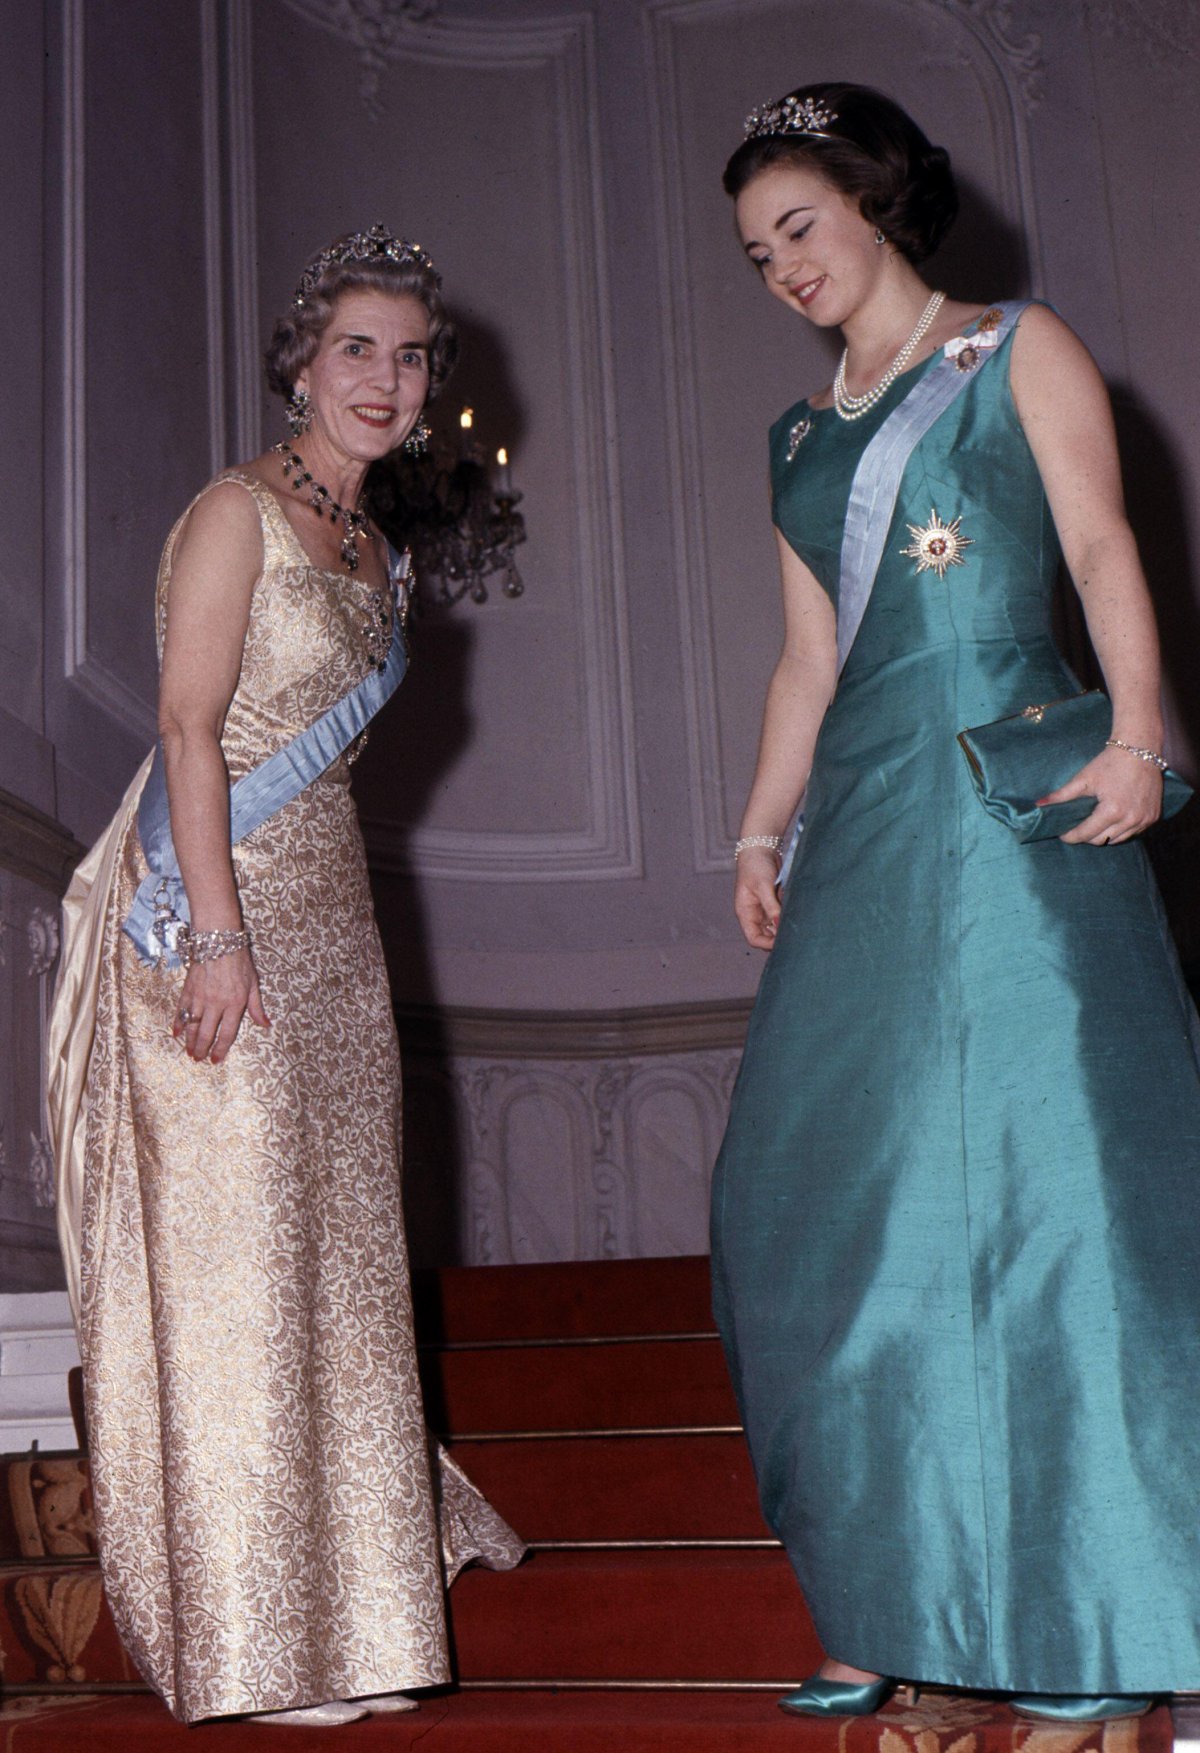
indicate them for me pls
(588, 1722)
(620, 1488)
(636, 1616)
(654, 1383)
(572, 1299)
(644, 1615)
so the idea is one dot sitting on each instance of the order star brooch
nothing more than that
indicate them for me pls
(937, 545)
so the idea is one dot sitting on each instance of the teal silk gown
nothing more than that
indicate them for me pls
(956, 1212)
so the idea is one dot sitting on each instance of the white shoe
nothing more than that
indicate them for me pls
(385, 1701)
(316, 1716)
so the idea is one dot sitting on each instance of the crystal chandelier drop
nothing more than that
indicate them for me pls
(458, 516)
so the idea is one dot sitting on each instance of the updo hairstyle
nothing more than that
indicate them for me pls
(298, 332)
(876, 154)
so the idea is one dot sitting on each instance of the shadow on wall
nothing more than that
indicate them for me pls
(412, 747)
(980, 240)
(415, 744)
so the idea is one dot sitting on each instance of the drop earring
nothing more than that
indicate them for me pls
(879, 237)
(417, 442)
(299, 412)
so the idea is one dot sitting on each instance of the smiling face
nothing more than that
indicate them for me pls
(370, 374)
(810, 243)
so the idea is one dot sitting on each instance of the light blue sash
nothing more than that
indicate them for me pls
(160, 906)
(875, 489)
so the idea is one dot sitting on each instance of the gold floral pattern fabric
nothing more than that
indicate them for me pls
(260, 1463)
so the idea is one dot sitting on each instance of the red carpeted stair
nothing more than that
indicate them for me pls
(591, 1403)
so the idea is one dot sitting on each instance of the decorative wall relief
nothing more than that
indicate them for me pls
(1168, 31)
(1021, 49)
(567, 1158)
(34, 856)
(378, 29)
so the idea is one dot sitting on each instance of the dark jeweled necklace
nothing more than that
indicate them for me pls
(321, 499)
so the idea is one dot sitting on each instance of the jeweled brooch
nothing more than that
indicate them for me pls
(967, 350)
(991, 319)
(937, 545)
(798, 433)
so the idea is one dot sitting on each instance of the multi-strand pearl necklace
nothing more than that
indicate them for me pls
(854, 407)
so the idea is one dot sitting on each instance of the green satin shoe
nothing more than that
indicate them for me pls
(1063, 1708)
(819, 1697)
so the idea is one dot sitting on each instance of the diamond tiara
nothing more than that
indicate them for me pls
(791, 115)
(366, 247)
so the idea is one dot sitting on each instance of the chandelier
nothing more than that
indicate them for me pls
(458, 517)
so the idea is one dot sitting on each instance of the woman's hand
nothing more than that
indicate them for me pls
(215, 997)
(1128, 793)
(754, 898)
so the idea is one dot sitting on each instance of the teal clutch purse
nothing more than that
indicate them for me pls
(1016, 760)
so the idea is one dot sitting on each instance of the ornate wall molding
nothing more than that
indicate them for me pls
(1168, 31)
(392, 34)
(85, 671)
(380, 30)
(1021, 50)
(29, 943)
(34, 846)
(569, 1159)
(457, 1032)
(1008, 65)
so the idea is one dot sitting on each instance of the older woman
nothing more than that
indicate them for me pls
(962, 1153)
(264, 1507)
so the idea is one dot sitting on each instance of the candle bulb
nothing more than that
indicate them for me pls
(503, 475)
(466, 421)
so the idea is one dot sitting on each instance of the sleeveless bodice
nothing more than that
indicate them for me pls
(306, 643)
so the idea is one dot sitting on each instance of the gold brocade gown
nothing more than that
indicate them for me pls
(260, 1462)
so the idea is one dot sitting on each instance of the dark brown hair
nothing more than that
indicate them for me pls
(297, 334)
(875, 153)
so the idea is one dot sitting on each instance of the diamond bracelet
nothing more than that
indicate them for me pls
(206, 946)
(1142, 754)
(771, 842)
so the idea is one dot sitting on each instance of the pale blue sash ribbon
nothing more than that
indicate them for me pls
(160, 906)
(875, 489)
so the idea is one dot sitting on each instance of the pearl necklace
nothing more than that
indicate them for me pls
(854, 407)
(354, 519)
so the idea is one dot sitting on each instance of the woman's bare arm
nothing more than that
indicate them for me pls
(798, 697)
(217, 558)
(1064, 409)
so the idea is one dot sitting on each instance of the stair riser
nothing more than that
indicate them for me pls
(673, 1616)
(621, 1488)
(677, 1616)
(587, 1298)
(593, 1387)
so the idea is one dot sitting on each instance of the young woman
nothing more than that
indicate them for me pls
(953, 1211)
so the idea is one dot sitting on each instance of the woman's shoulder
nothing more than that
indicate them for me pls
(226, 514)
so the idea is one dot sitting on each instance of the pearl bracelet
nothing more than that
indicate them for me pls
(771, 842)
(1142, 754)
(207, 946)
